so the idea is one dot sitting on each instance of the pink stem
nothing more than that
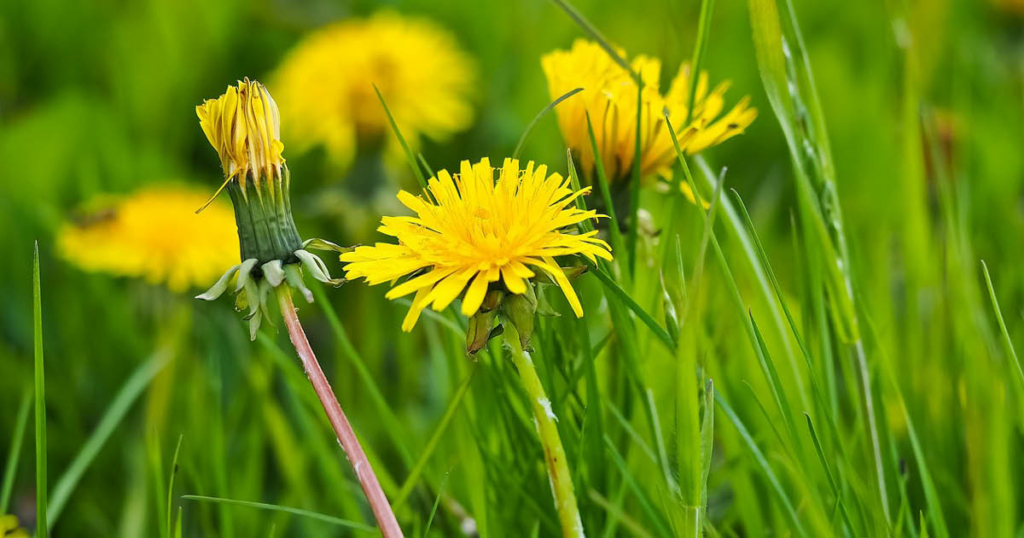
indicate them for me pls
(349, 443)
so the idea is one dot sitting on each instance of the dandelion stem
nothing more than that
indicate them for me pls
(346, 437)
(547, 429)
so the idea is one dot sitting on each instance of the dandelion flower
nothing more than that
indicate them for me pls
(9, 528)
(153, 234)
(609, 96)
(325, 84)
(244, 126)
(476, 234)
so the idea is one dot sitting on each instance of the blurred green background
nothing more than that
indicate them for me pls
(99, 97)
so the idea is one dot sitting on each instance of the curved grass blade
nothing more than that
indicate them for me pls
(285, 509)
(1002, 324)
(539, 116)
(113, 416)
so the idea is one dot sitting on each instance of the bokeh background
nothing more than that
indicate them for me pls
(98, 98)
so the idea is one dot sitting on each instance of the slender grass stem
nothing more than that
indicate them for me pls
(346, 437)
(547, 429)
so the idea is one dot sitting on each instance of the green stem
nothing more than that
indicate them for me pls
(547, 429)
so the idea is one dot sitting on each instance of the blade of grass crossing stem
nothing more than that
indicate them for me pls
(707, 7)
(40, 399)
(170, 490)
(284, 509)
(401, 140)
(435, 438)
(17, 438)
(112, 417)
(1002, 324)
(539, 116)
(828, 474)
(762, 462)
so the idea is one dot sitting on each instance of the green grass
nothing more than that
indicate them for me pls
(818, 352)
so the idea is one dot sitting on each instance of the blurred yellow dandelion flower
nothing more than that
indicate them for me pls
(609, 96)
(478, 232)
(325, 84)
(9, 528)
(153, 234)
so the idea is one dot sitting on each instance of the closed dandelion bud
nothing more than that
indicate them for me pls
(520, 311)
(244, 126)
(481, 325)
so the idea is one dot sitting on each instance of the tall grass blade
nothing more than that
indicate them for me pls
(112, 417)
(170, 490)
(405, 145)
(40, 399)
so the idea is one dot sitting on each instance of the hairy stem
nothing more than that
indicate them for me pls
(554, 453)
(346, 437)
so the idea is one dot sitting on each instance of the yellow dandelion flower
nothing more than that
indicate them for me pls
(476, 233)
(325, 84)
(9, 528)
(609, 96)
(244, 126)
(153, 234)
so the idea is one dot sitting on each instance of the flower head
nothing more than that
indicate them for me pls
(244, 126)
(153, 234)
(477, 234)
(325, 84)
(609, 96)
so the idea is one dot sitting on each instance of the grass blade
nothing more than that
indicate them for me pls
(401, 140)
(1002, 324)
(435, 438)
(17, 437)
(113, 416)
(539, 116)
(170, 490)
(763, 463)
(40, 401)
(285, 509)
